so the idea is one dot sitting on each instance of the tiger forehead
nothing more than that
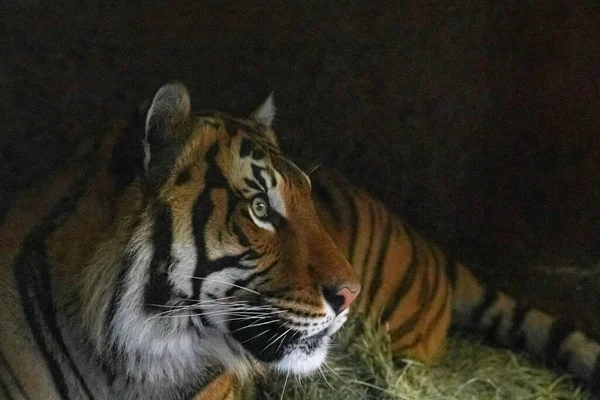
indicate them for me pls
(231, 125)
(247, 139)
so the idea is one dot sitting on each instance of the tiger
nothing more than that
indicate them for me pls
(186, 256)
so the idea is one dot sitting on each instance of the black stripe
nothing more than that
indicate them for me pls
(15, 380)
(559, 331)
(516, 335)
(203, 209)
(406, 281)
(252, 185)
(158, 289)
(489, 334)
(32, 276)
(232, 202)
(246, 147)
(257, 174)
(383, 251)
(399, 332)
(227, 393)
(323, 196)
(121, 284)
(372, 220)
(5, 390)
(255, 275)
(183, 177)
(489, 299)
(440, 312)
(203, 270)
(594, 380)
(412, 321)
(258, 154)
(409, 324)
(353, 222)
(437, 272)
(233, 127)
(372, 215)
(451, 269)
(240, 235)
(120, 287)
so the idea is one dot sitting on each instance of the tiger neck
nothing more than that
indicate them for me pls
(87, 250)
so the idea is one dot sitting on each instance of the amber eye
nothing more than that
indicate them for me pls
(260, 207)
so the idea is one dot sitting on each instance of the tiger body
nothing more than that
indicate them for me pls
(187, 256)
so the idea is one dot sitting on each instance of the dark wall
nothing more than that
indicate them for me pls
(479, 122)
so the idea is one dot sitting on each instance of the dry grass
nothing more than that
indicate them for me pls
(361, 367)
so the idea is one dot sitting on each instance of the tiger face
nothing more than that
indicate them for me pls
(249, 261)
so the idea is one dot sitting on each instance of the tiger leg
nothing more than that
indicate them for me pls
(414, 299)
(416, 290)
(226, 386)
(403, 282)
(508, 323)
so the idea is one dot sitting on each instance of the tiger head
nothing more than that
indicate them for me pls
(239, 254)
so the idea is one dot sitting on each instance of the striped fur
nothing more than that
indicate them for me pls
(418, 291)
(187, 255)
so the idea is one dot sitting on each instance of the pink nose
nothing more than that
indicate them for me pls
(348, 296)
(340, 299)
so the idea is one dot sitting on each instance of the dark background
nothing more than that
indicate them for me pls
(478, 122)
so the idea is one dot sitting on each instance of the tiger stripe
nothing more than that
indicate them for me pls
(9, 380)
(32, 275)
(417, 290)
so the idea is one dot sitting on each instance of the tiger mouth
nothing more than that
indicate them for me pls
(271, 341)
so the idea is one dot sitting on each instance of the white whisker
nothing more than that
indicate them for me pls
(270, 321)
(284, 385)
(325, 378)
(218, 281)
(254, 337)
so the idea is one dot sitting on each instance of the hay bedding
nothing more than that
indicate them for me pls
(361, 367)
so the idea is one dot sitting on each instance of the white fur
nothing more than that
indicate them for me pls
(186, 257)
(157, 349)
(265, 113)
(300, 363)
(275, 194)
(170, 105)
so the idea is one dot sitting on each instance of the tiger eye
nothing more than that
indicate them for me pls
(260, 207)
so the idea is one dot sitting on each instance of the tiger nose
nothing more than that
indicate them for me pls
(340, 297)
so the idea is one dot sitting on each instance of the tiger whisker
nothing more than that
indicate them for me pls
(220, 312)
(282, 336)
(270, 321)
(238, 309)
(325, 378)
(218, 281)
(199, 302)
(284, 385)
(175, 311)
(254, 337)
(259, 316)
(316, 166)
(283, 339)
(331, 369)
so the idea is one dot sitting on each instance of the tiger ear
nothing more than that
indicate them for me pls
(168, 109)
(265, 113)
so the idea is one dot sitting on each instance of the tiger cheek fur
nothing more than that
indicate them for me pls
(298, 321)
(271, 300)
